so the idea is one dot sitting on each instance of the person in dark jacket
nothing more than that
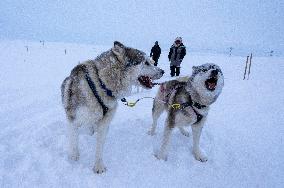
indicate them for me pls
(176, 55)
(155, 53)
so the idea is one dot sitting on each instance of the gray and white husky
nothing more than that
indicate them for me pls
(187, 103)
(90, 93)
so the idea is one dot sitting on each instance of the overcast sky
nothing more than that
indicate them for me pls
(203, 24)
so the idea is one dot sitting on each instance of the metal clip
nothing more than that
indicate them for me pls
(175, 106)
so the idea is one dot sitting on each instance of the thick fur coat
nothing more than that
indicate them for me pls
(90, 93)
(187, 102)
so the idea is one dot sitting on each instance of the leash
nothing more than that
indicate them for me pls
(132, 104)
(176, 106)
(157, 83)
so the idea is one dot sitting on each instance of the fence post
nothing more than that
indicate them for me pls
(231, 48)
(246, 68)
(249, 64)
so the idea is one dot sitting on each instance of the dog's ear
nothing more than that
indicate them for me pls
(118, 48)
(194, 68)
(117, 43)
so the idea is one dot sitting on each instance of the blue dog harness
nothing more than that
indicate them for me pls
(94, 90)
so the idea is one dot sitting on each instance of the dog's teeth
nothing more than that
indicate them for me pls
(211, 86)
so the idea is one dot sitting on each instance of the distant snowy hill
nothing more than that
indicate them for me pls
(206, 25)
(243, 137)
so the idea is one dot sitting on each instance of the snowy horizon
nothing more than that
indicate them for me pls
(253, 26)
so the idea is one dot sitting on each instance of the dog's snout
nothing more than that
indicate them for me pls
(214, 72)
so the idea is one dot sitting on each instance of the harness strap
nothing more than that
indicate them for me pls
(103, 86)
(189, 104)
(199, 106)
(107, 91)
(93, 88)
(193, 104)
(182, 106)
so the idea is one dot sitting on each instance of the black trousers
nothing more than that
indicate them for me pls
(175, 71)
(156, 60)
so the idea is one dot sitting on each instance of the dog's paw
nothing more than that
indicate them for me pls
(74, 156)
(200, 156)
(185, 133)
(161, 156)
(99, 168)
(151, 132)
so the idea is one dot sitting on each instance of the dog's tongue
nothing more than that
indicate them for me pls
(211, 85)
(147, 81)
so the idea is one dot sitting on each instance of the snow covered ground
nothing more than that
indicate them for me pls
(243, 137)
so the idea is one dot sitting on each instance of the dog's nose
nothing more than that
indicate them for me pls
(162, 71)
(214, 72)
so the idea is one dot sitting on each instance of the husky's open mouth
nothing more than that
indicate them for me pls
(211, 83)
(146, 81)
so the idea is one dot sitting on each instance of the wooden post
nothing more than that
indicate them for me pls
(249, 64)
(246, 68)
(65, 51)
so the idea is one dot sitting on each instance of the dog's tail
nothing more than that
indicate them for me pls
(65, 84)
(66, 97)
